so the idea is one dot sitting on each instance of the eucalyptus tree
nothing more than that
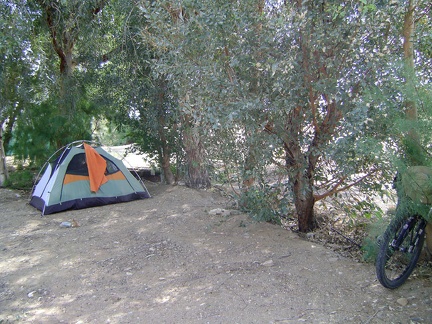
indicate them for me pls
(326, 58)
(345, 50)
(71, 28)
(15, 74)
(133, 97)
(167, 33)
(67, 23)
(287, 78)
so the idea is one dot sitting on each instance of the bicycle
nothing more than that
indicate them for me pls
(403, 240)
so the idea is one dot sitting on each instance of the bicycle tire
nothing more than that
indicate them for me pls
(394, 266)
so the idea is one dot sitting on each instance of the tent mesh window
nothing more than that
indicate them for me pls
(78, 166)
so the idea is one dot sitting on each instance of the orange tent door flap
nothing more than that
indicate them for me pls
(96, 166)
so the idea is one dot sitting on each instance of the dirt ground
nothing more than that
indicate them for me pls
(172, 259)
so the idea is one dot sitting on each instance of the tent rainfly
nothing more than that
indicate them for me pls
(83, 176)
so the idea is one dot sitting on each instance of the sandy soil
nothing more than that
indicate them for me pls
(168, 259)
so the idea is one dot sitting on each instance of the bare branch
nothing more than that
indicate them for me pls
(337, 187)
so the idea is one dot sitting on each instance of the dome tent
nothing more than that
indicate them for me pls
(84, 175)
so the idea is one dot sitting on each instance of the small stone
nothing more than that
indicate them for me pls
(31, 294)
(66, 224)
(268, 263)
(310, 236)
(402, 301)
(219, 211)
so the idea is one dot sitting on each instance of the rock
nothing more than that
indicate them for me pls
(66, 224)
(220, 211)
(402, 301)
(268, 263)
(310, 236)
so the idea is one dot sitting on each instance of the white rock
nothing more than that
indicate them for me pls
(220, 211)
(310, 235)
(66, 224)
(402, 301)
(268, 263)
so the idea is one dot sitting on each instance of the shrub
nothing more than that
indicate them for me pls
(21, 179)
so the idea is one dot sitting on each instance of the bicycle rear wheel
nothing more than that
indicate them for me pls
(400, 250)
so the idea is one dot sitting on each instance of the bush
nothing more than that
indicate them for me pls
(371, 242)
(22, 179)
(266, 203)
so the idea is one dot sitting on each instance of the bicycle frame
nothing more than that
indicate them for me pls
(404, 232)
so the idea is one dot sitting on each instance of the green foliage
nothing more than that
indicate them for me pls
(21, 179)
(267, 203)
(41, 130)
(110, 134)
(370, 246)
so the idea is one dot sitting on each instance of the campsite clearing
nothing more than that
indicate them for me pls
(183, 257)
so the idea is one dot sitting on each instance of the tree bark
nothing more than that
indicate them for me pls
(7, 134)
(165, 154)
(166, 167)
(197, 176)
(165, 150)
(3, 166)
(304, 201)
(408, 50)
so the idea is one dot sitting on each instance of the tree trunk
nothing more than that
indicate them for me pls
(414, 151)
(249, 167)
(304, 200)
(3, 167)
(197, 176)
(165, 154)
(251, 155)
(166, 167)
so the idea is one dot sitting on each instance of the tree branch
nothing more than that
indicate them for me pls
(336, 188)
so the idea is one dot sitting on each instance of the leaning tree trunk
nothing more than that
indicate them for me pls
(3, 167)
